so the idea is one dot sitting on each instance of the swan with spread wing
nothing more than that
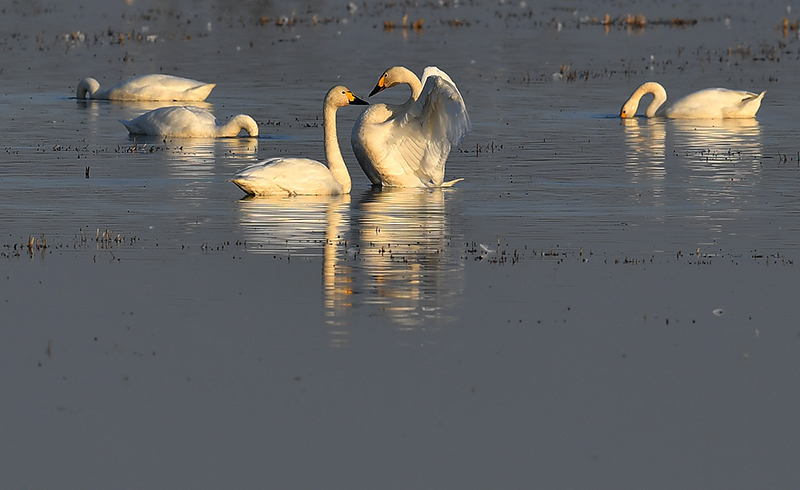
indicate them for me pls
(407, 145)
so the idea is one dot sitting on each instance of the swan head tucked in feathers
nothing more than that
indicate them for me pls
(87, 85)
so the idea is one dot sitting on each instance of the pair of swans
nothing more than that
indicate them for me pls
(402, 145)
(176, 121)
(711, 103)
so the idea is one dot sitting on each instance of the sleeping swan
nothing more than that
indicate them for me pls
(711, 103)
(148, 87)
(303, 176)
(407, 145)
(189, 122)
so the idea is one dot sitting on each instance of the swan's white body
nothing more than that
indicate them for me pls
(148, 87)
(303, 176)
(189, 122)
(407, 145)
(710, 103)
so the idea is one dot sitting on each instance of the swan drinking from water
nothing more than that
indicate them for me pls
(407, 145)
(148, 87)
(710, 103)
(189, 122)
(303, 176)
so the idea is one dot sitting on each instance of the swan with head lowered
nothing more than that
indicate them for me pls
(710, 103)
(303, 176)
(407, 145)
(155, 87)
(189, 122)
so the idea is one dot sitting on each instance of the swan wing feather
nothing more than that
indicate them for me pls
(420, 140)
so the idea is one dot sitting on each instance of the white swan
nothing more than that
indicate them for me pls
(710, 103)
(407, 145)
(148, 87)
(189, 122)
(303, 176)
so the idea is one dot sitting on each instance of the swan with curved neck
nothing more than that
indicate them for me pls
(710, 103)
(303, 176)
(407, 145)
(189, 122)
(153, 87)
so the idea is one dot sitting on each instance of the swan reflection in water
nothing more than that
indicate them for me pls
(710, 152)
(720, 150)
(410, 270)
(391, 250)
(646, 148)
(307, 226)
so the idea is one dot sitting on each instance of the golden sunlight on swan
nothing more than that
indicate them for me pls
(147, 87)
(407, 145)
(303, 176)
(189, 122)
(710, 103)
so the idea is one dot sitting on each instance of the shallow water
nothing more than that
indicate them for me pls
(599, 303)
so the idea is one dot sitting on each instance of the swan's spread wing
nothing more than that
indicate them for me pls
(420, 140)
(291, 176)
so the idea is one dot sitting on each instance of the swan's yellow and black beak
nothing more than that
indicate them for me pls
(380, 86)
(355, 100)
(623, 114)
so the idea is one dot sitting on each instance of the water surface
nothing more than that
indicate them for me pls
(599, 303)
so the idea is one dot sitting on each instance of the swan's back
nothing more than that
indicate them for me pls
(160, 87)
(715, 103)
(176, 121)
(291, 176)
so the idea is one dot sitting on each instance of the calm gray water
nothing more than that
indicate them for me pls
(596, 305)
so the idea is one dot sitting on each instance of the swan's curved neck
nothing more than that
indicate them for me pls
(333, 154)
(659, 96)
(407, 76)
(92, 87)
(233, 127)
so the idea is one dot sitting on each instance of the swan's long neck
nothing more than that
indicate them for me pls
(89, 86)
(659, 97)
(404, 75)
(333, 154)
(236, 124)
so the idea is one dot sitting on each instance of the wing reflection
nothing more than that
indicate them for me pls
(404, 244)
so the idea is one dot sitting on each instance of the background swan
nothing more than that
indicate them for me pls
(189, 122)
(710, 103)
(148, 87)
(407, 145)
(303, 176)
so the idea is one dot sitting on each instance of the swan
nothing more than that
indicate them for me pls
(148, 87)
(189, 122)
(303, 176)
(407, 145)
(710, 103)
